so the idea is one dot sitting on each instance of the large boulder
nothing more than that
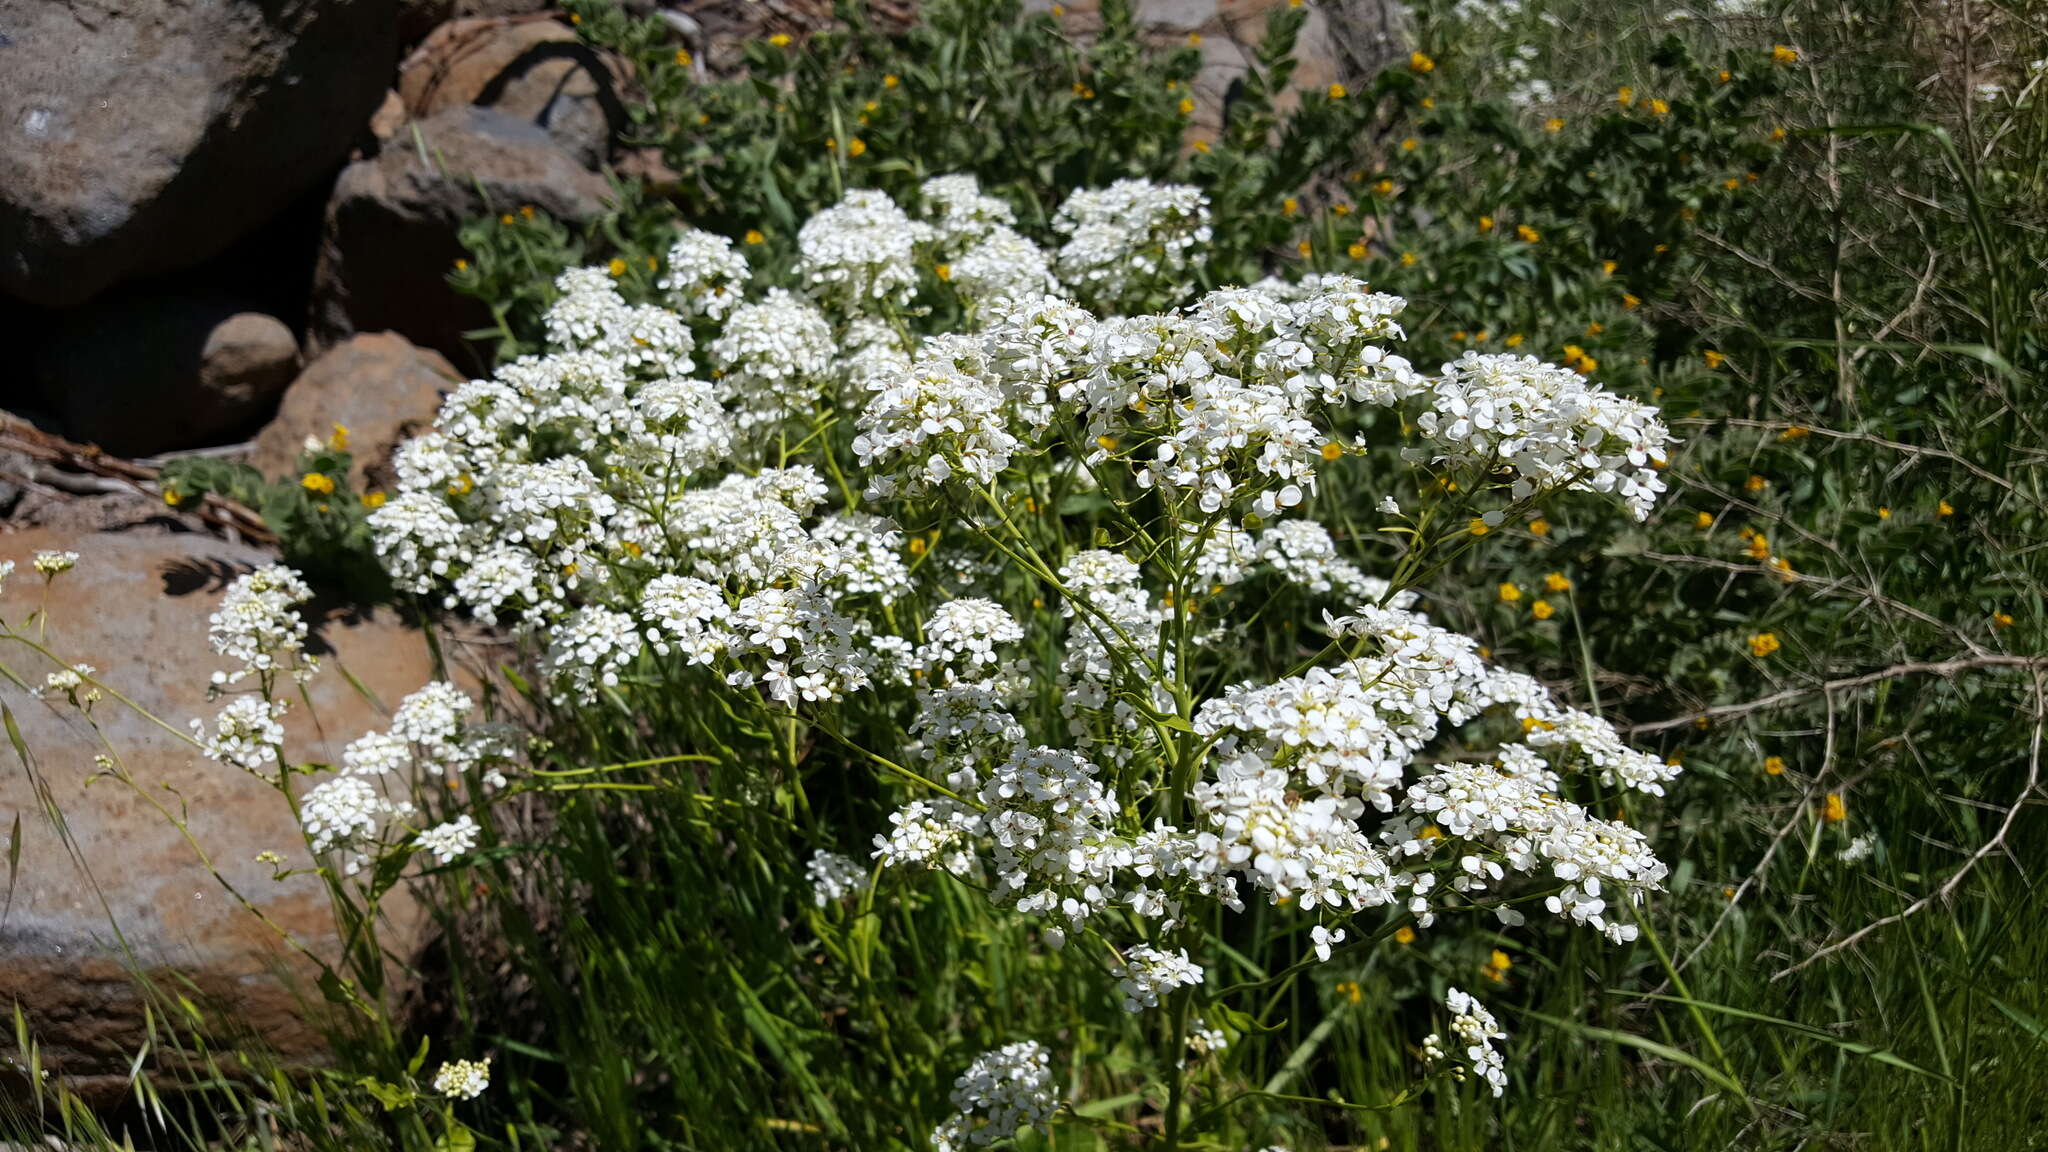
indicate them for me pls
(390, 234)
(533, 70)
(145, 137)
(136, 606)
(147, 370)
(377, 385)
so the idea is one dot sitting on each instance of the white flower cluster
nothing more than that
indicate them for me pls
(860, 252)
(463, 1079)
(1149, 973)
(1474, 1030)
(1547, 423)
(1130, 241)
(1002, 1091)
(258, 625)
(835, 877)
(705, 278)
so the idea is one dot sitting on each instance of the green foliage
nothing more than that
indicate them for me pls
(321, 525)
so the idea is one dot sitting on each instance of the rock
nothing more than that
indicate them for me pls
(377, 385)
(390, 234)
(1347, 42)
(136, 606)
(533, 70)
(145, 137)
(246, 362)
(389, 117)
(147, 371)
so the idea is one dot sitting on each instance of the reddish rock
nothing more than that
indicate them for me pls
(136, 607)
(377, 385)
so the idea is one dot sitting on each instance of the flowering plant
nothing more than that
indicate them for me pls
(1064, 582)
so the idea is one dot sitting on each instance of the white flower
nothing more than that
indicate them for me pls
(1002, 1091)
(1130, 241)
(1324, 939)
(834, 877)
(343, 810)
(450, 840)
(258, 625)
(860, 251)
(1475, 1030)
(1148, 973)
(705, 275)
(50, 563)
(247, 734)
(463, 1079)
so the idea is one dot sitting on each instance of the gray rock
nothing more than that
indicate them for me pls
(247, 361)
(390, 233)
(532, 70)
(145, 137)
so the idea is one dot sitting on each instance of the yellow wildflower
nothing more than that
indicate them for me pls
(780, 39)
(1542, 610)
(1526, 234)
(317, 482)
(1774, 765)
(1417, 62)
(617, 266)
(1554, 124)
(1539, 527)
(1510, 592)
(1404, 935)
(1557, 582)
(754, 236)
(1338, 92)
(1763, 644)
(1833, 810)
(1782, 54)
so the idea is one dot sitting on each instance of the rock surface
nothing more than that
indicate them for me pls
(136, 606)
(532, 70)
(145, 137)
(143, 371)
(1344, 41)
(390, 234)
(377, 385)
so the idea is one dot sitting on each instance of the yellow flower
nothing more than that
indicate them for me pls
(1542, 610)
(1587, 366)
(1539, 527)
(1356, 251)
(1510, 592)
(1486, 223)
(1774, 765)
(2002, 619)
(1945, 509)
(1557, 582)
(1714, 359)
(507, 218)
(1833, 810)
(1630, 302)
(1704, 521)
(1303, 248)
(1526, 234)
(1607, 267)
(780, 39)
(526, 210)
(1777, 135)
(373, 499)
(462, 485)
(1477, 527)
(1340, 209)
(1624, 96)
(461, 265)
(917, 545)
(1731, 184)
(754, 236)
(1594, 328)
(1202, 146)
(1514, 340)
(1554, 124)
(1408, 259)
(1187, 105)
(338, 439)
(1417, 62)
(1384, 188)
(317, 482)
(1410, 144)
(1404, 935)
(1659, 108)
(617, 266)
(1763, 644)
(1430, 832)
(1333, 451)
(1756, 483)
(1194, 38)
(1350, 990)
(171, 497)
(890, 81)
(1760, 547)
(1782, 55)
(1725, 76)
(1883, 513)
(1083, 91)
(1497, 966)
(1290, 206)
(682, 57)
(1338, 92)
(1108, 443)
